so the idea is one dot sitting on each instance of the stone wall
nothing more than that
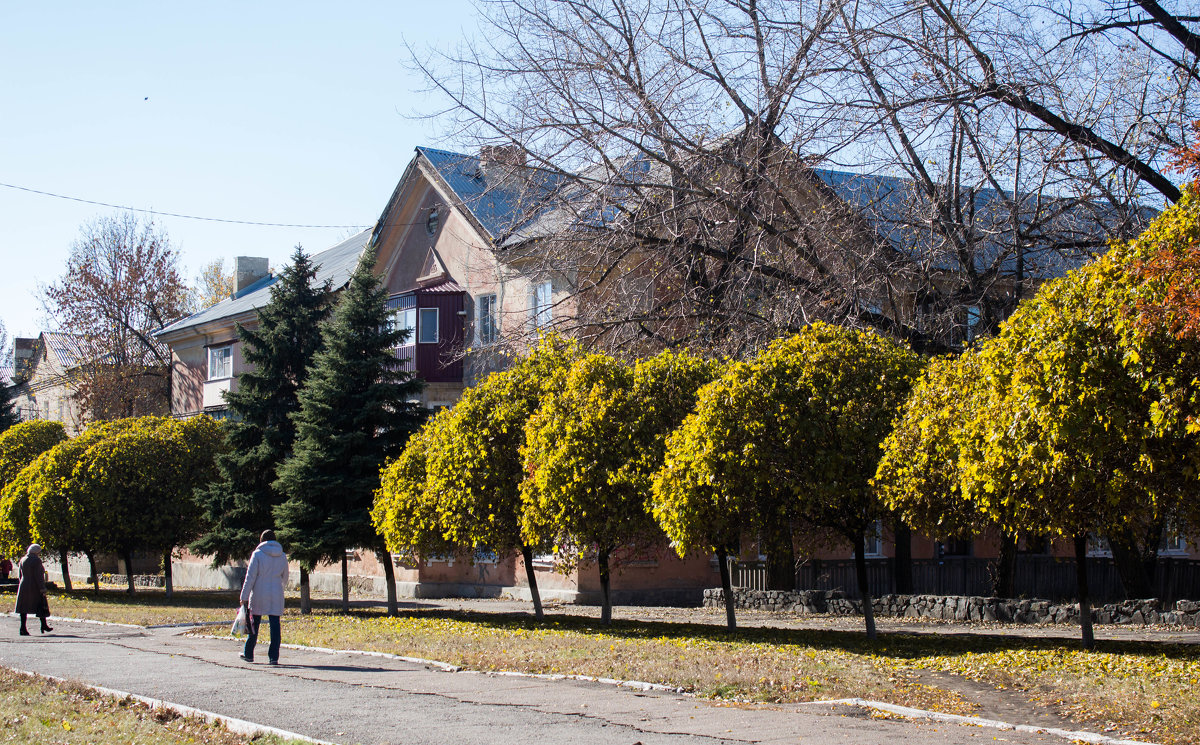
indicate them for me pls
(958, 608)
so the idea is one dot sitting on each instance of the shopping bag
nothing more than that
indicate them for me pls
(43, 608)
(241, 623)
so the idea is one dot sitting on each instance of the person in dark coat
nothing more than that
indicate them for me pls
(31, 590)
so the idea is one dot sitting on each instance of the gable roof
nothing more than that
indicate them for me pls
(334, 264)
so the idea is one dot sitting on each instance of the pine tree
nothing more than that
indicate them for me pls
(357, 410)
(8, 409)
(238, 506)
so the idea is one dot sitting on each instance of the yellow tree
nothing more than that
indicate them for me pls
(20, 445)
(591, 451)
(456, 486)
(1087, 414)
(793, 435)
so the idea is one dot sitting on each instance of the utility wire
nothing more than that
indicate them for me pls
(176, 214)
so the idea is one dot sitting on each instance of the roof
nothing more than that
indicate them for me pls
(518, 204)
(501, 198)
(1068, 233)
(334, 265)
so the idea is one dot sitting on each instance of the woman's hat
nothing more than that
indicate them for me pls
(34, 548)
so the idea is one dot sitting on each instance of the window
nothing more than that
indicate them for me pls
(220, 362)
(433, 221)
(486, 325)
(405, 319)
(1173, 543)
(542, 314)
(874, 539)
(427, 326)
(974, 327)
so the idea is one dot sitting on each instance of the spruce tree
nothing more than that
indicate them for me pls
(238, 506)
(357, 410)
(8, 409)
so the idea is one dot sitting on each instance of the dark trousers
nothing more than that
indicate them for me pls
(252, 637)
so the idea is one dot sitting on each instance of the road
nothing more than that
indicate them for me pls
(349, 698)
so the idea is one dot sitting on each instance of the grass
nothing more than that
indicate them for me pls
(36, 710)
(1137, 689)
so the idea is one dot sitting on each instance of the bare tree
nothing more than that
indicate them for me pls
(122, 283)
(714, 174)
(663, 152)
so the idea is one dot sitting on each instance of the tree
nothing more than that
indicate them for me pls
(590, 451)
(261, 433)
(58, 519)
(20, 445)
(213, 285)
(920, 470)
(357, 409)
(793, 437)
(1090, 409)
(670, 154)
(122, 284)
(407, 513)
(141, 480)
(457, 486)
(8, 412)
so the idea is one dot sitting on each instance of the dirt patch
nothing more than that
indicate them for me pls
(1001, 704)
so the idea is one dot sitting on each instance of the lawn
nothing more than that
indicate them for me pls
(37, 710)
(1144, 690)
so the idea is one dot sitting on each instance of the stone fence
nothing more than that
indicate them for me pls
(958, 608)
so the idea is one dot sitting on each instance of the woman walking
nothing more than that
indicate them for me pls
(262, 594)
(31, 590)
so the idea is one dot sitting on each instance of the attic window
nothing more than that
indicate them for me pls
(432, 222)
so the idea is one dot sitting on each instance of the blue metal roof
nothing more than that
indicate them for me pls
(503, 201)
(334, 264)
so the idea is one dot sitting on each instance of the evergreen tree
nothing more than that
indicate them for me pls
(357, 410)
(238, 506)
(8, 409)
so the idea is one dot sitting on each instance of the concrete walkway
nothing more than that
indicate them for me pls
(349, 698)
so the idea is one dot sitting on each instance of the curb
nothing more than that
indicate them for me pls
(237, 726)
(905, 711)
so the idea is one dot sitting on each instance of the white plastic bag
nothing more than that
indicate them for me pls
(241, 623)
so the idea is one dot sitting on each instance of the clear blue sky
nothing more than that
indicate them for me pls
(296, 112)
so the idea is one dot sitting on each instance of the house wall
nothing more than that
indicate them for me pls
(48, 393)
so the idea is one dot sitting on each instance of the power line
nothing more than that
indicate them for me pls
(176, 214)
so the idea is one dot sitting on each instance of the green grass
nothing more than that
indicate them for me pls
(41, 711)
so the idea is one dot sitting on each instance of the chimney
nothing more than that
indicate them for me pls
(23, 348)
(500, 161)
(246, 271)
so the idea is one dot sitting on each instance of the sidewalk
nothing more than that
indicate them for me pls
(349, 698)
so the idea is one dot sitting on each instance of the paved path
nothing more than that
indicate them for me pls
(349, 698)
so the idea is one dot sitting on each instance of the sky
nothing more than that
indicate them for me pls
(300, 113)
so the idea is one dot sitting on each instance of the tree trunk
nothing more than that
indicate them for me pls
(902, 574)
(168, 581)
(781, 560)
(389, 576)
(345, 584)
(1130, 564)
(91, 557)
(864, 589)
(727, 589)
(305, 596)
(1085, 605)
(64, 561)
(531, 576)
(128, 555)
(1006, 568)
(606, 607)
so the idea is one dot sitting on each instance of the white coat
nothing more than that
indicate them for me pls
(265, 579)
